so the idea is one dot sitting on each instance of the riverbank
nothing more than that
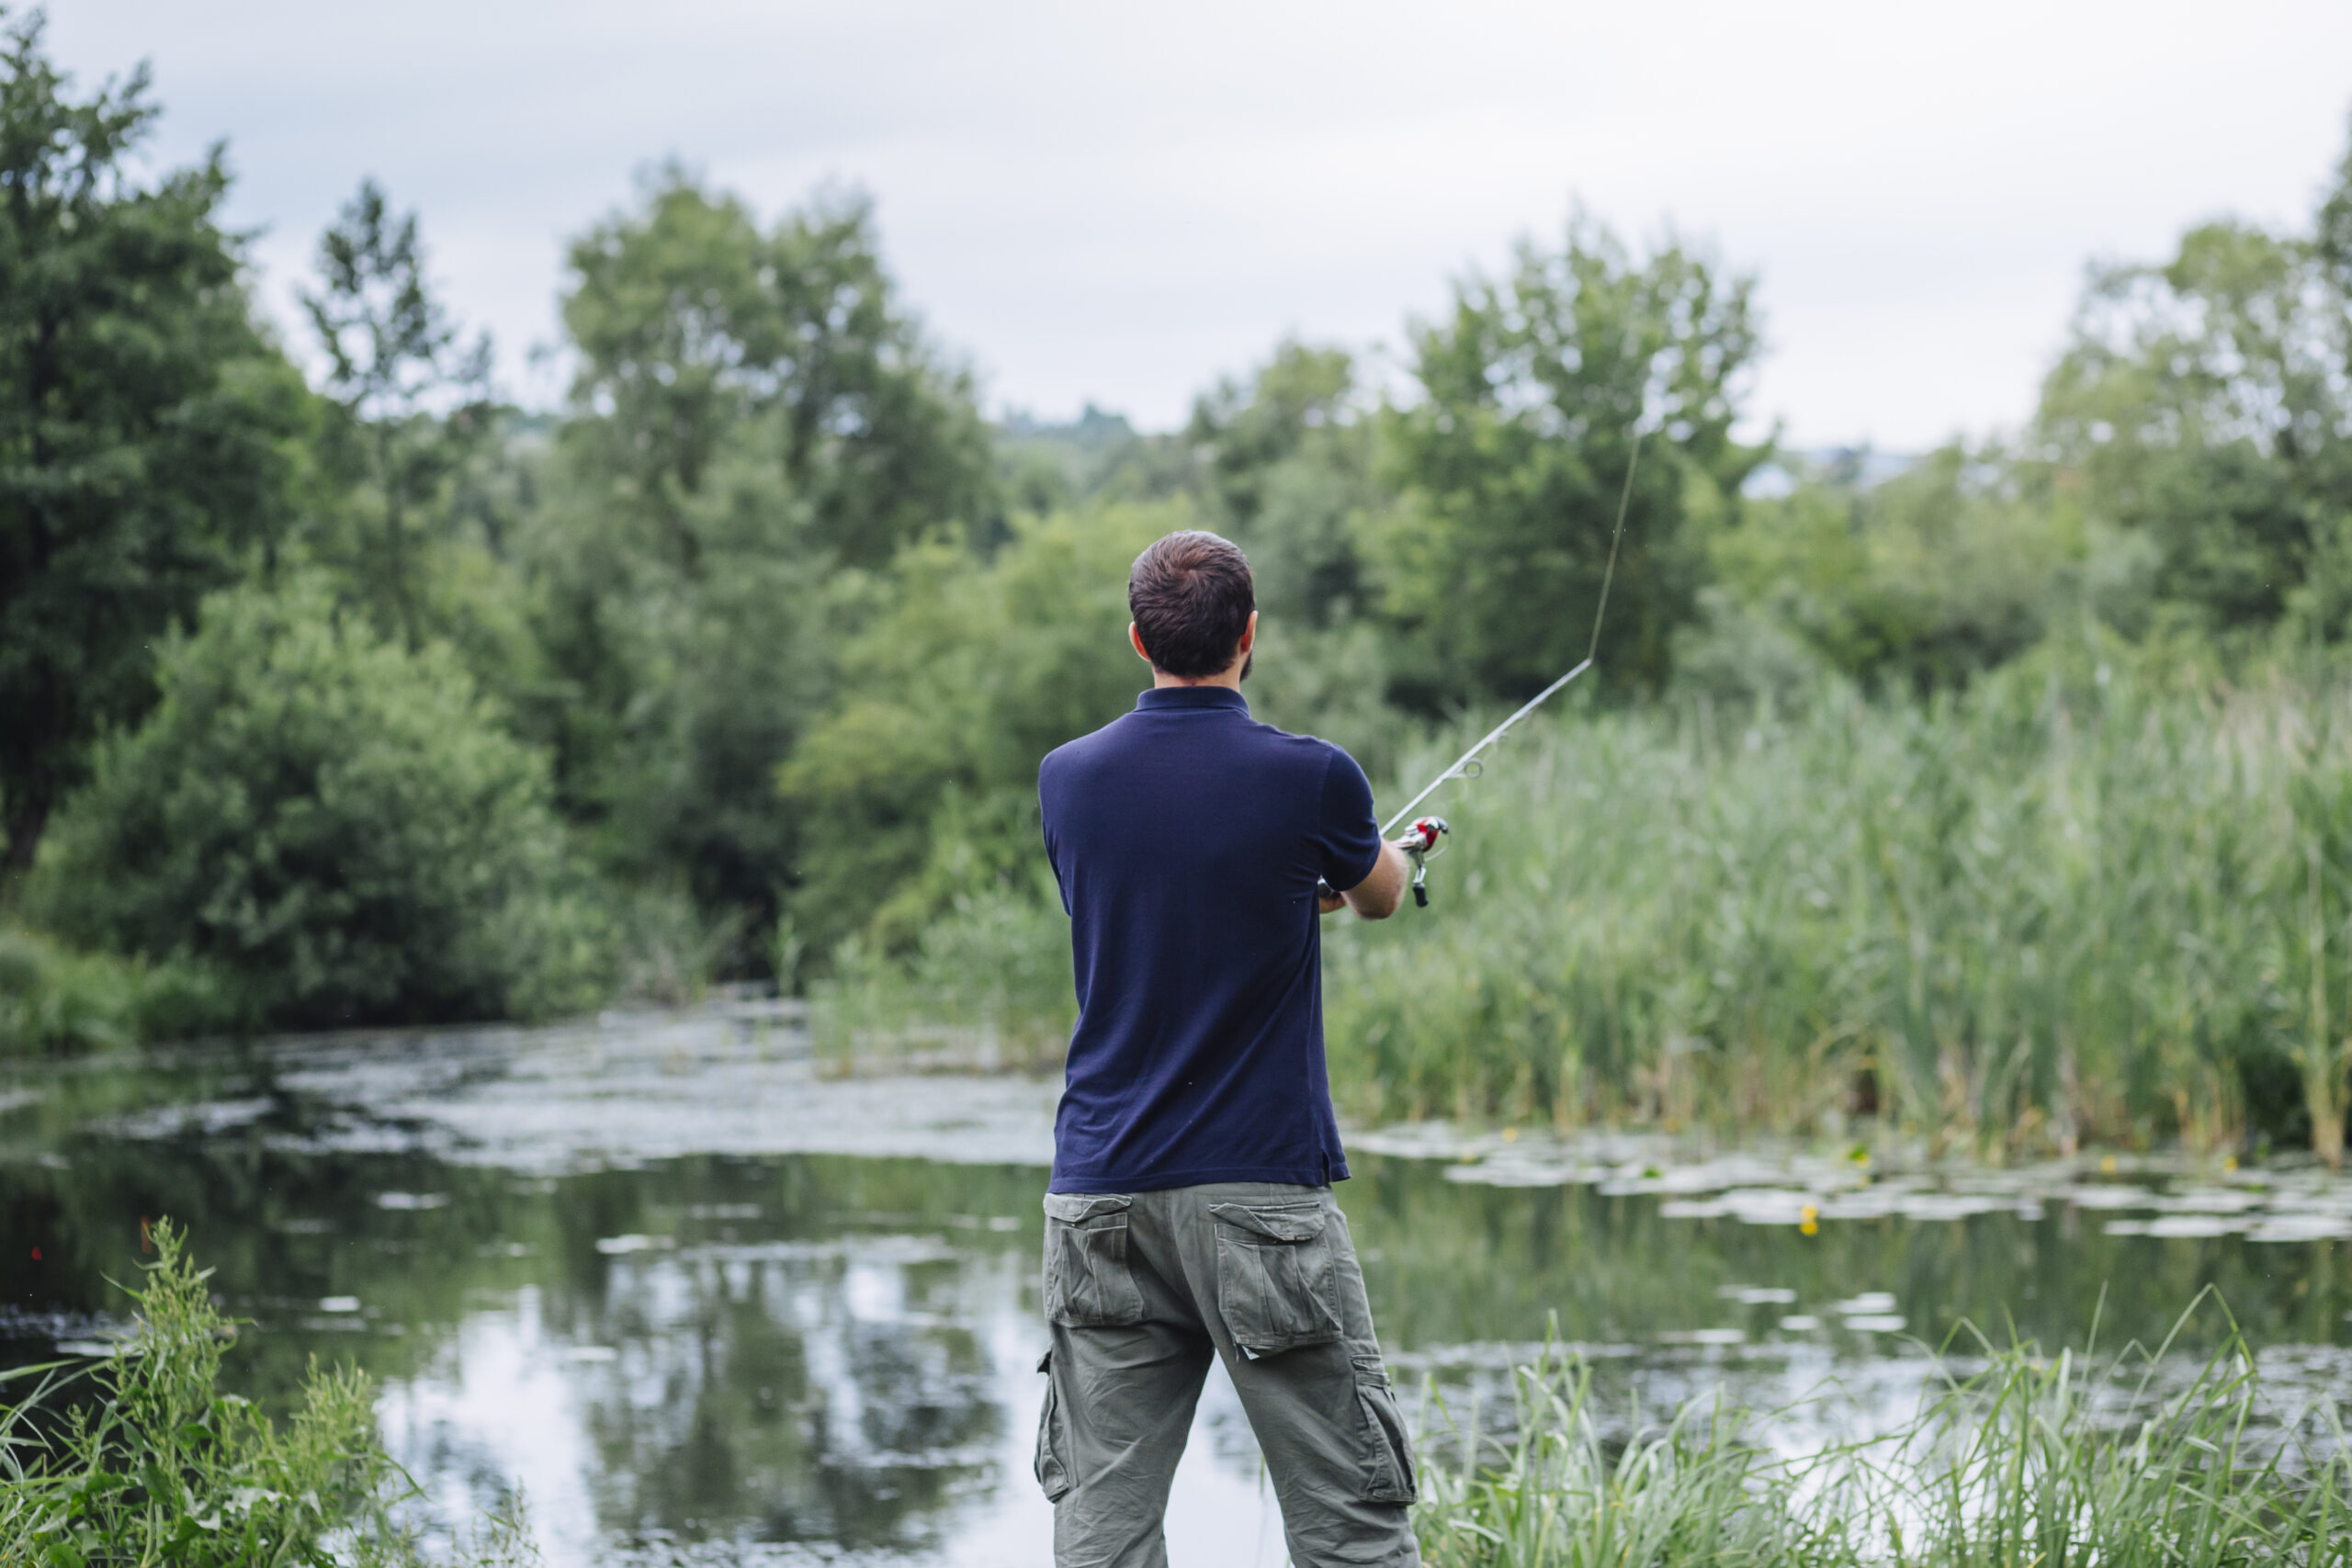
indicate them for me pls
(2011, 1455)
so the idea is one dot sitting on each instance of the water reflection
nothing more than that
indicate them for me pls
(772, 1355)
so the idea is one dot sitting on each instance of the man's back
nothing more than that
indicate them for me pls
(1190, 1216)
(1188, 840)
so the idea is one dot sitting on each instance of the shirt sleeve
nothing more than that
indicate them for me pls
(1045, 829)
(1347, 840)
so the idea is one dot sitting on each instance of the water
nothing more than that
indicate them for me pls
(701, 1303)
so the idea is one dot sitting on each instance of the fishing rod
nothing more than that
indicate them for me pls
(1420, 843)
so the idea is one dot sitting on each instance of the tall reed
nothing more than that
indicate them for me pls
(2030, 1463)
(2101, 897)
(2084, 900)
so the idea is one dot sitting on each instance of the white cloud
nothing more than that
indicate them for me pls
(1122, 204)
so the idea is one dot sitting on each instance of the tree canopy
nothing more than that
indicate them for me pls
(152, 439)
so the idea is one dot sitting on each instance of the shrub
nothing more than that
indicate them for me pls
(336, 828)
(55, 1001)
(52, 999)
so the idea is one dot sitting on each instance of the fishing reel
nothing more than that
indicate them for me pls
(1420, 846)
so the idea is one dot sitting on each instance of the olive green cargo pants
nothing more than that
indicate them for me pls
(1140, 1288)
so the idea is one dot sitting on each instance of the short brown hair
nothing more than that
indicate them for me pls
(1190, 595)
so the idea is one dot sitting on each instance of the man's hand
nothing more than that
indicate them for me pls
(1377, 895)
(1327, 902)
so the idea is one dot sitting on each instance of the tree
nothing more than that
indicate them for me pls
(416, 403)
(757, 429)
(695, 330)
(148, 434)
(2206, 406)
(1291, 462)
(1534, 388)
(920, 781)
(1248, 428)
(1927, 578)
(341, 827)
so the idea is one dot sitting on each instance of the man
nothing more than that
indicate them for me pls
(1190, 1212)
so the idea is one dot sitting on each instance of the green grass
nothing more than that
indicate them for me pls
(2030, 1463)
(139, 1458)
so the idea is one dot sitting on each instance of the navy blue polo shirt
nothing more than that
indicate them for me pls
(1187, 838)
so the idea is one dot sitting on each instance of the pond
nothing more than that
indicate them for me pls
(703, 1303)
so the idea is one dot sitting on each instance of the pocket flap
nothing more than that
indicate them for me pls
(1075, 1208)
(1290, 1224)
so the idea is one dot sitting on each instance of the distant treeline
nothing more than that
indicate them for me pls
(371, 698)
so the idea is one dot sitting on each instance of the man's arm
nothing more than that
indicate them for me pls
(1378, 895)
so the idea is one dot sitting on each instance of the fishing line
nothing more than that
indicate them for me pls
(1467, 766)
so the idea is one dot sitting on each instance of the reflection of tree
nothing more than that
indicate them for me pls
(750, 1388)
(712, 1421)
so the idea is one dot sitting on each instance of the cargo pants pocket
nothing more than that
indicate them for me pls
(1088, 1281)
(1053, 1472)
(1276, 1276)
(1387, 1452)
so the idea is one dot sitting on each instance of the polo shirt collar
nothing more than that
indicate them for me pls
(1166, 697)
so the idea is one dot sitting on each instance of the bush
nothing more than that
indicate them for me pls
(55, 1001)
(336, 829)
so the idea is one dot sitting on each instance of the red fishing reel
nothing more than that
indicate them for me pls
(1420, 846)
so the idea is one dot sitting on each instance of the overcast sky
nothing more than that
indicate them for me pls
(1121, 203)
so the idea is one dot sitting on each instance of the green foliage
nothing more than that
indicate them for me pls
(921, 782)
(148, 432)
(53, 1000)
(1948, 569)
(1517, 453)
(2030, 1460)
(335, 825)
(393, 355)
(771, 624)
(153, 1463)
(988, 984)
(756, 425)
(1293, 459)
(2207, 405)
(695, 330)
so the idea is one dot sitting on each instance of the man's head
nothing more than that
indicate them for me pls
(1193, 605)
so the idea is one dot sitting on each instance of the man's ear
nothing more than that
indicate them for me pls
(1135, 637)
(1248, 636)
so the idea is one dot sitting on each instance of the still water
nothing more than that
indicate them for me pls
(703, 1304)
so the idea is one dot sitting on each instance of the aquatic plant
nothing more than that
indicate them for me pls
(2096, 899)
(139, 1457)
(2028, 1461)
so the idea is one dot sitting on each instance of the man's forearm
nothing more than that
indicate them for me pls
(1377, 895)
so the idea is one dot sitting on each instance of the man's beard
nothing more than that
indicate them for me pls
(1248, 659)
